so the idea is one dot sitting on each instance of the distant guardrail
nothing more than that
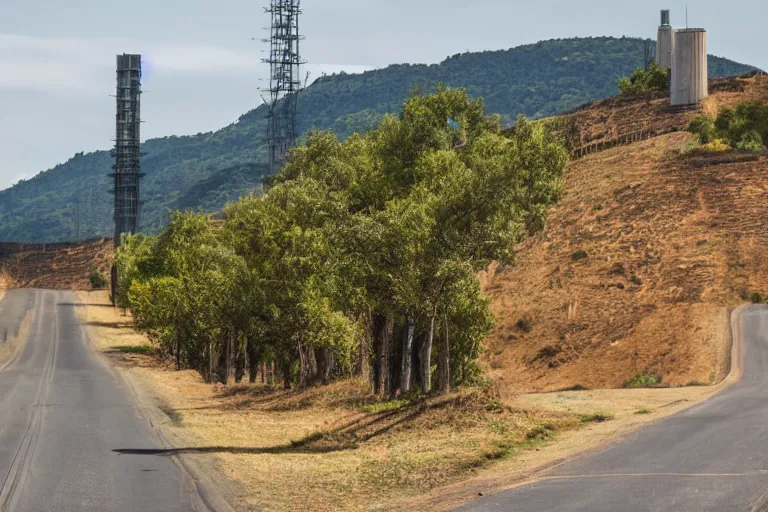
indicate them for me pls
(8, 249)
(622, 140)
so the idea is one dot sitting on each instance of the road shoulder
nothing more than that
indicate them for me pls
(631, 410)
(14, 333)
(107, 335)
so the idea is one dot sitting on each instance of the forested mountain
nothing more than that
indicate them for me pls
(208, 169)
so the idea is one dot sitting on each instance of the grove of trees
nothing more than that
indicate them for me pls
(360, 259)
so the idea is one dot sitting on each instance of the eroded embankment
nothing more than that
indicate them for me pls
(632, 278)
(66, 266)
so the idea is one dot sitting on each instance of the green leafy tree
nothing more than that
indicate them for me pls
(653, 79)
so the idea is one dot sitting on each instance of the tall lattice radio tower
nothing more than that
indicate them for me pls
(284, 83)
(127, 168)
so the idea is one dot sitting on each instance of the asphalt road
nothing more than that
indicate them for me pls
(65, 417)
(711, 457)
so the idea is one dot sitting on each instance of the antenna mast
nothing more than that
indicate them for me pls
(127, 168)
(285, 81)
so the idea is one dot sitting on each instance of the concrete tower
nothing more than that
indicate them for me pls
(665, 43)
(689, 67)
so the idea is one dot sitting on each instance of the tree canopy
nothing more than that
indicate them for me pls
(360, 259)
(646, 80)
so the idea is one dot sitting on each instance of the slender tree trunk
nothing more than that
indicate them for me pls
(385, 336)
(324, 359)
(222, 366)
(426, 356)
(254, 359)
(286, 373)
(228, 362)
(263, 370)
(330, 366)
(405, 376)
(270, 373)
(210, 362)
(445, 361)
(178, 352)
(307, 364)
(240, 361)
(363, 367)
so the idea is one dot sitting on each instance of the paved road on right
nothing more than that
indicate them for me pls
(711, 457)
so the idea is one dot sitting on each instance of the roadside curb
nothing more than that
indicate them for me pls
(736, 360)
(211, 499)
(208, 498)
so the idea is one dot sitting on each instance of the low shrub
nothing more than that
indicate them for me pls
(547, 352)
(597, 417)
(525, 324)
(542, 431)
(579, 255)
(642, 81)
(703, 127)
(97, 279)
(744, 127)
(751, 141)
(643, 380)
(714, 146)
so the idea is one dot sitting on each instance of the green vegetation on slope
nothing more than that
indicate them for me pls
(362, 247)
(642, 80)
(207, 170)
(744, 127)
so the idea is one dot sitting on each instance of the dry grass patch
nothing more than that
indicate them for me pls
(332, 455)
(7, 282)
(328, 448)
(12, 341)
(335, 448)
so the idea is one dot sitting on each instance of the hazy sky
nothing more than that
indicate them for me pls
(57, 58)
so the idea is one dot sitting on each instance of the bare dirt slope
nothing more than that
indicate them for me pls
(638, 264)
(55, 266)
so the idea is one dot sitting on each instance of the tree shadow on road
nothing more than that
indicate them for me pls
(167, 452)
(85, 304)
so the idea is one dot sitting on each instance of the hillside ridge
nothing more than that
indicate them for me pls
(208, 169)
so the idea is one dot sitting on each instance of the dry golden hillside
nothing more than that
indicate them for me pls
(640, 260)
(55, 266)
